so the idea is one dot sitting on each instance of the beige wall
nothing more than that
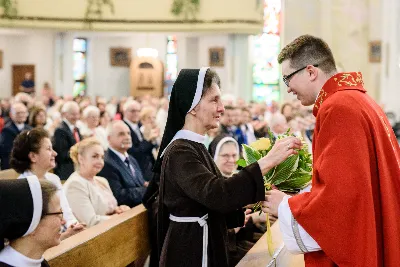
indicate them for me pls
(140, 15)
(23, 48)
(347, 26)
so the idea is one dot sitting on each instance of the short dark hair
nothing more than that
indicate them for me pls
(48, 191)
(210, 78)
(24, 143)
(308, 50)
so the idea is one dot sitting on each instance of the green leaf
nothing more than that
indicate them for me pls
(271, 136)
(250, 154)
(296, 181)
(241, 163)
(284, 170)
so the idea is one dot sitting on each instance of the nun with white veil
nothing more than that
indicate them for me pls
(196, 203)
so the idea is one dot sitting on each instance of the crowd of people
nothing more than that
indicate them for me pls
(82, 161)
(100, 153)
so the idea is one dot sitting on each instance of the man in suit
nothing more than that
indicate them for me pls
(226, 121)
(18, 115)
(120, 169)
(141, 149)
(65, 136)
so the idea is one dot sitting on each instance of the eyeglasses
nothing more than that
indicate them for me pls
(56, 213)
(228, 156)
(286, 78)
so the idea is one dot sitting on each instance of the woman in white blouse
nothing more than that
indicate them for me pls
(33, 154)
(90, 196)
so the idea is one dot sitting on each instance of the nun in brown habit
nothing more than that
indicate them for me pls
(196, 203)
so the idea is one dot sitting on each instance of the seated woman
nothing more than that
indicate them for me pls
(90, 126)
(30, 221)
(37, 117)
(225, 152)
(33, 154)
(90, 196)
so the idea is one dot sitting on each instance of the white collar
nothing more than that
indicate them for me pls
(20, 126)
(70, 125)
(187, 135)
(14, 258)
(119, 154)
(132, 124)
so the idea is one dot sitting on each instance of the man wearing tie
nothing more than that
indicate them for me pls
(65, 136)
(141, 149)
(18, 114)
(120, 169)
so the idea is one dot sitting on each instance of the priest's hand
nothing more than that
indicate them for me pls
(272, 200)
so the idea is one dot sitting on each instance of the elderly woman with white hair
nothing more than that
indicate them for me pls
(90, 127)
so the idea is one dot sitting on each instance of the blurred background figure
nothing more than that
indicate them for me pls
(28, 85)
(18, 116)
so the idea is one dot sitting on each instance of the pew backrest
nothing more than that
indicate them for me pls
(119, 241)
(9, 174)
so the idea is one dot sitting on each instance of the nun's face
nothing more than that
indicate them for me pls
(47, 234)
(227, 158)
(210, 108)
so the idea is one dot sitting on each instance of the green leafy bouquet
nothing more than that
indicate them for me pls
(290, 176)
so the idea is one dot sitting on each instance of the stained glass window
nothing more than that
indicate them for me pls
(171, 62)
(266, 46)
(79, 66)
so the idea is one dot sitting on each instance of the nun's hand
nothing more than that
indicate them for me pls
(282, 149)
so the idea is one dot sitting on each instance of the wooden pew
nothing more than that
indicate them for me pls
(259, 256)
(120, 241)
(9, 174)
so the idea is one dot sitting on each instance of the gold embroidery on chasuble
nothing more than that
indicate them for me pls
(339, 82)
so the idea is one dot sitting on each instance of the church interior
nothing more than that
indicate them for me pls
(112, 57)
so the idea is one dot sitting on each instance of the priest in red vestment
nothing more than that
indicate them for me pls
(351, 216)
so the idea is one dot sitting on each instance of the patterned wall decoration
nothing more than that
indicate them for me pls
(94, 9)
(186, 8)
(10, 8)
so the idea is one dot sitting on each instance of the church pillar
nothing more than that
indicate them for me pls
(240, 73)
(390, 67)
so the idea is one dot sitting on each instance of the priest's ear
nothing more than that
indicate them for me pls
(312, 72)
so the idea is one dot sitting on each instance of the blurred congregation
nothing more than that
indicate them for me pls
(100, 152)
(84, 105)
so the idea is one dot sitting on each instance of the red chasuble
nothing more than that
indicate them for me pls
(353, 209)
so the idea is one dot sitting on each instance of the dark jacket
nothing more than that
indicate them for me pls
(10, 131)
(127, 189)
(142, 152)
(63, 140)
